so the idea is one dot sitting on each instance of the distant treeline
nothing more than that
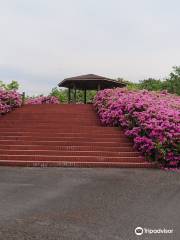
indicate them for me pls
(171, 84)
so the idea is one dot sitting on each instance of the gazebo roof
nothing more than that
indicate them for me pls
(90, 82)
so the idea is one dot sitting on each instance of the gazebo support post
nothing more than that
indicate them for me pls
(69, 95)
(85, 96)
(74, 94)
(99, 86)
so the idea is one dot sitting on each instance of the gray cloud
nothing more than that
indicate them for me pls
(44, 41)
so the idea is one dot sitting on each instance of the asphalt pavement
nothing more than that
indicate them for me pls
(88, 204)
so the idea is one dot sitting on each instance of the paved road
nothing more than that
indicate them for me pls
(87, 204)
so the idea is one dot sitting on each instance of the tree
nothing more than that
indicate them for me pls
(151, 84)
(129, 85)
(61, 94)
(2, 85)
(13, 85)
(172, 84)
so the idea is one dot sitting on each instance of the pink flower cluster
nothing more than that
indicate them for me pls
(43, 100)
(9, 100)
(151, 119)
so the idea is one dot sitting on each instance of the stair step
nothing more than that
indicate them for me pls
(67, 153)
(60, 128)
(77, 164)
(65, 138)
(64, 143)
(71, 158)
(67, 134)
(36, 125)
(64, 135)
(66, 148)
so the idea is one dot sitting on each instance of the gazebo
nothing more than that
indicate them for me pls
(88, 82)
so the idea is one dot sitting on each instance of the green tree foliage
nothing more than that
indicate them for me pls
(2, 85)
(151, 84)
(129, 85)
(62, 95)
(133, 86)
(172, 84)
(13, 85)
(90, 95)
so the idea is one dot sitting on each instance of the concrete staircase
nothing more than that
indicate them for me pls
(66, 135)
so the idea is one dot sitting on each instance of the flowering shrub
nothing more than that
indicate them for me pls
(151, 119)
(9, 100)
(43, 100)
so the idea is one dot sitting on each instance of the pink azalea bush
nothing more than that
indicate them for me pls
(43, 100)
(9, 100)
(151, 119)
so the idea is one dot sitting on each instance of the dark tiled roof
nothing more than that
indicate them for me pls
(90, 81)
(89, 77)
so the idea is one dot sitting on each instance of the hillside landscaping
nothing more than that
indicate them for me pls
(151, 119)
(9, 100)
(147, 112)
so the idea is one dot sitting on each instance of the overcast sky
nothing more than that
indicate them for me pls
(44, 41)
